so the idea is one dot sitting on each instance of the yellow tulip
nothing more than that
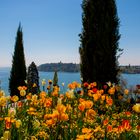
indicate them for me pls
(36, 123)
(136, 108)
(3, 101)
(34, 85)
(14, 98)
(18, 123)
(43, 82)
(2, 93)
(33, 138)
(6, 135)
(86, 130)
(22, 92)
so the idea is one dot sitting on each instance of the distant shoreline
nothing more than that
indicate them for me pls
(73, 67)
(59, 67)
(130, 69)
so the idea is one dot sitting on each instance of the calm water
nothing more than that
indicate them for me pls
(63, 77)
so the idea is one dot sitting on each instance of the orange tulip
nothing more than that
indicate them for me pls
(19, 104)
(128, 113)
(8, 122)
(103, 97)
(105, 122)
(126, 124)
(81, 100)
(29, 96)
(50, 122)
(71, 86)
(90, 114)
(88, 104)
(61, 108)
(42, 94)
(120, 129)
(111, 90)
(109, 101)
(96, 97)
(81, 107)
(48, 102)
(109, 128)
(64, 117)
(55, 93)
(31, 111)
(86, 130)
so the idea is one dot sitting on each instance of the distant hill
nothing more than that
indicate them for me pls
(73, 67)
(61, 67)
(130, 69)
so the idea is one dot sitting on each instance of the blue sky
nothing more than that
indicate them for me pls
(51, 28)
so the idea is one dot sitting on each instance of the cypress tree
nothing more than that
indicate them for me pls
(33, 79)
(18, 70)
(55, 79)
(99, 41)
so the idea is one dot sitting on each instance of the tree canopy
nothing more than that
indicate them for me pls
(99, 41)
(18, 70)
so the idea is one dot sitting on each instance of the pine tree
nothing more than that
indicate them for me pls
(55, 79)
(99, 41)
(18, 70)
(33, 79)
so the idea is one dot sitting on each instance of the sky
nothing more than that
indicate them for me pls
(51, 28)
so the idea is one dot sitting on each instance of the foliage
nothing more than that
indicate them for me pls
(18, 70)
(33, 79)
(86, 113)
(55, 79)
(99, 41)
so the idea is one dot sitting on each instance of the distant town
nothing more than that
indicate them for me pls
(130, 69)
(73, 67)
(61, 67)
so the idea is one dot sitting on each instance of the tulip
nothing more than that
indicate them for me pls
(18, 123)
(136, 108)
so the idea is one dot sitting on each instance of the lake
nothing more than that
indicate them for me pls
(63, 77)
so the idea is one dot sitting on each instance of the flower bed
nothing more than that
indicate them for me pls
(89, 113)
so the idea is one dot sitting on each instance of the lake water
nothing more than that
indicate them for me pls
(63, 77)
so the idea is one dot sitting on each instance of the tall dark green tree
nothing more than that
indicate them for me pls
(99, 41)
(33, 79)
(18, 70)
(55, 79)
